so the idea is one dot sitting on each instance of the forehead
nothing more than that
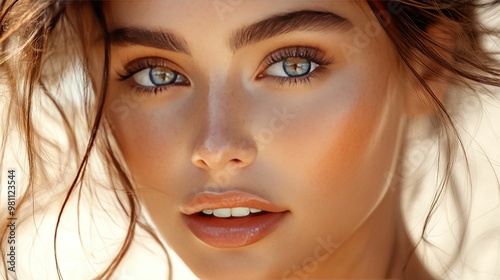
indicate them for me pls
(220, 15)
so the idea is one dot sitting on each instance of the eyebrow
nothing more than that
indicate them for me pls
(160, 39)
(304, 20)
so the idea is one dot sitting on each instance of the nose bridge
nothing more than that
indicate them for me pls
(224, 110)
(224, 139)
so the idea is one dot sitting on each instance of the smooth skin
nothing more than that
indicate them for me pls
(324, 149)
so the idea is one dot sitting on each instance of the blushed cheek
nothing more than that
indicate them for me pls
(344, 153)
(146, 140)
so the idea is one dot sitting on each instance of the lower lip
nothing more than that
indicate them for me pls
(232, 232)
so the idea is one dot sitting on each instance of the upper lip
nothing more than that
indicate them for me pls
(229, 199)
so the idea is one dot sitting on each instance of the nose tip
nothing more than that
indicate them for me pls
(214, 155)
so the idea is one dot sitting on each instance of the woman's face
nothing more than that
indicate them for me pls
(225, 108)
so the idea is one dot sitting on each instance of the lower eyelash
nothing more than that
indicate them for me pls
(141, 90)
(292, 81)
(309, 53)
(140, 64)
(150, 90)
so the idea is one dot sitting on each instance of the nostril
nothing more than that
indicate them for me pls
(230, 156)
(214, 165)
(201, 164)
(236, 161)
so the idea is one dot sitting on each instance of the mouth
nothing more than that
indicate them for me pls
(231, 219)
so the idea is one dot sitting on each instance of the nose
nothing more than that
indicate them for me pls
(221, 150)
(224, 140)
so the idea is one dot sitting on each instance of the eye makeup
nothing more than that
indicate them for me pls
(292, 66)
(313, 56)
(157, 67)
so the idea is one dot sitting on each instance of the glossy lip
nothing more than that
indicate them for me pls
(231, 232)
(230, 199)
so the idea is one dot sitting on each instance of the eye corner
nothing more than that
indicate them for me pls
(261, 75)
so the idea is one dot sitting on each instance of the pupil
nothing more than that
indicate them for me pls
(162, 76)
(296, 66)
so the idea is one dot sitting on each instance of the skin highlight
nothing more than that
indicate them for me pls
(348, 120)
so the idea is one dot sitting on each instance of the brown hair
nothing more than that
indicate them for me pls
(36, 35)
(458, 56)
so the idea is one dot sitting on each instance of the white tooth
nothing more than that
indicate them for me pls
(207, 211)
(240, 211)
(222, 212)
(253, 210)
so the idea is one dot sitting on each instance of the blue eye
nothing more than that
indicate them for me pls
(158, 76)
(291, 67)
(153, 75)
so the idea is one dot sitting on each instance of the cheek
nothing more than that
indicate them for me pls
(349, 144)
(149, 142)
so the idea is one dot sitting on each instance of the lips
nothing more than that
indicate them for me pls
(231, 219)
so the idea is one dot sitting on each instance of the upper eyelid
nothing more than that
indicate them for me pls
(147, 62)
(315, 54)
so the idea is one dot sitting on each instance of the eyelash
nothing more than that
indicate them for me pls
(140, 64)
(309, 53)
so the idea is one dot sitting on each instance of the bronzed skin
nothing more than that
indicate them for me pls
(325, 149)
